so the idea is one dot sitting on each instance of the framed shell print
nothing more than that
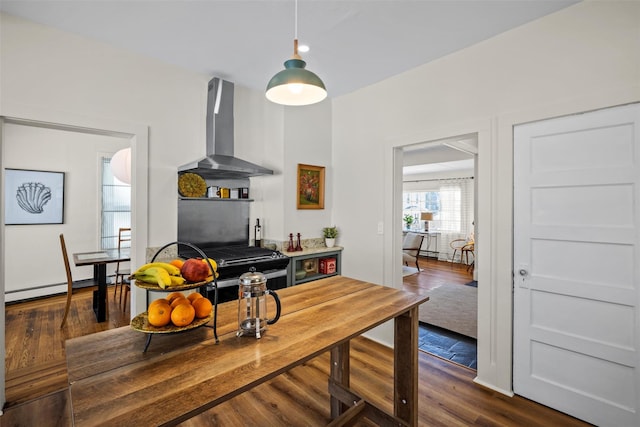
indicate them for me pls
(33, 197)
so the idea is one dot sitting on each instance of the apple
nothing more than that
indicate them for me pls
(194, 270)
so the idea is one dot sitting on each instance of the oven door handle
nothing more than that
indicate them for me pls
(234, 281)
(275, 273)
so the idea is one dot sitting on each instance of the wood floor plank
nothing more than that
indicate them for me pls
(52, 410)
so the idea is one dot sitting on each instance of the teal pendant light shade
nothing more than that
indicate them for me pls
(295, 85)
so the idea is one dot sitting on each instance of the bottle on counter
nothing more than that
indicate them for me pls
(258, 233)
(291, 247)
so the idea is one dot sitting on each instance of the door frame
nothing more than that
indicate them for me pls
(393, 216)
(138, 136)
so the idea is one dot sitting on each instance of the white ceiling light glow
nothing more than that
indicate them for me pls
(121, 165)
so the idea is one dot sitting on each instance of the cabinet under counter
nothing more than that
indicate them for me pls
(306, 265)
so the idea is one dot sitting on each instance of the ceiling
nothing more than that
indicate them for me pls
(442, 167)
(443, 156)
(354, 43)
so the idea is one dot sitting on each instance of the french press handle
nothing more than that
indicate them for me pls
(278, 306)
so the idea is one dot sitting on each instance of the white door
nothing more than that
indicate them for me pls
(576, 264)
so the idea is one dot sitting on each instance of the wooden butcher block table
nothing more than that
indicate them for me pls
(112, 382)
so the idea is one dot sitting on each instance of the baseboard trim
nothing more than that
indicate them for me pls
(509, 393)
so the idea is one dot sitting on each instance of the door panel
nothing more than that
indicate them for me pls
(576, 268)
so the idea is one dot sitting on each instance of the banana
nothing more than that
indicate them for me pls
(163, 279)
(175, 280)
(169, 268)
(155, 275)
(210, 277)
(213, 263)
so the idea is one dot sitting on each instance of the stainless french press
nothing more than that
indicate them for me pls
(252, 304)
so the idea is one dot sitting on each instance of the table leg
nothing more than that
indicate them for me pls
(405, 405)
(100, 296)
(340, 373)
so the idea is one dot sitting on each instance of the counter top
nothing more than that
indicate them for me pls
(312, 251)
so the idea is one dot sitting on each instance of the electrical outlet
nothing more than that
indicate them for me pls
(380, 227)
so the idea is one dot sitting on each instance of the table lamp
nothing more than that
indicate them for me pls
(426, 217)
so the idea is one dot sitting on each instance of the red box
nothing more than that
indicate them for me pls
(327, 265)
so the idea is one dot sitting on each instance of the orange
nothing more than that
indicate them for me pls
(177, 262)
(202, 307)
(179, 300)
(159, 301)
(183, 315)
(194, 296)
(159, 314)
(173, 295)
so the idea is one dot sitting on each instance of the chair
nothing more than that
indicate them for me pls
(465, 247)
(71, 285)
(411, 248)
(122, 274)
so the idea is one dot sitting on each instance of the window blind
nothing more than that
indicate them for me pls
(116, 206)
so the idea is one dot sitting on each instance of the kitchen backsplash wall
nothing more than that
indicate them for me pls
(279, 245)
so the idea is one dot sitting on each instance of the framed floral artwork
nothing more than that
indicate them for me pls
(310, 189)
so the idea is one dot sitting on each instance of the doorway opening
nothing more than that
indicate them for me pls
(78, 157)
(438, 203)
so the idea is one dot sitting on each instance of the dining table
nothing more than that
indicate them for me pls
(316, 317)
(99, 260)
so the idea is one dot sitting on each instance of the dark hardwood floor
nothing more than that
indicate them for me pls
(37, 393)
(435, 273)
(434, 340)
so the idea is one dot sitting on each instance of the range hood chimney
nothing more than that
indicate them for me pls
(220, 162)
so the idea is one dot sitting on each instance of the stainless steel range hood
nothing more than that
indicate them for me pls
(220, 163)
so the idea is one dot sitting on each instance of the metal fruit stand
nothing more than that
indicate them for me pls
(140, 322)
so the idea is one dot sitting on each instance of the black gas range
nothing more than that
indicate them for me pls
(234, 261)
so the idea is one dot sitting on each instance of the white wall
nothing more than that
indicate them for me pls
(581, 58)
(262, 143)
(308, 141)
(79, 156)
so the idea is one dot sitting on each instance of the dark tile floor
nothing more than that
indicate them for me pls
(448, 345)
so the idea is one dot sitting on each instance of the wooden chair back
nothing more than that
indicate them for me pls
(124, 235)
(67, 266)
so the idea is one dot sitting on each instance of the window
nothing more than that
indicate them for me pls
(116, 206)
(450, 202)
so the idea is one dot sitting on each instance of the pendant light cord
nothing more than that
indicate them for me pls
(295, 35)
